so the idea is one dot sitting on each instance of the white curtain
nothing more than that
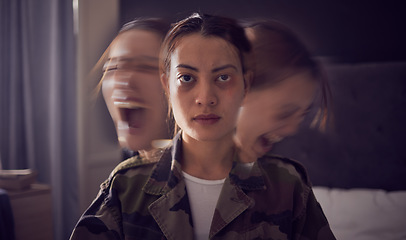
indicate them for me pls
(37, 99)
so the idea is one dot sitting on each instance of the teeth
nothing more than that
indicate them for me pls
(130, 105)
(274, 138)
(121, 125)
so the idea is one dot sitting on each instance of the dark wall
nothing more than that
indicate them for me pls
(345, 31)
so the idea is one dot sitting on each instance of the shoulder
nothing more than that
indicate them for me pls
(289, 180)
(281, 167)
(135, 162)
(138, 166)
(291, 176)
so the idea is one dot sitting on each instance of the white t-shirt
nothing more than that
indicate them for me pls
(203, 195)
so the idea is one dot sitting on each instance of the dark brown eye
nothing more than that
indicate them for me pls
(186, 78)
(223, 78)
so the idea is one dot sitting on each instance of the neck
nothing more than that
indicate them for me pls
(210, 160)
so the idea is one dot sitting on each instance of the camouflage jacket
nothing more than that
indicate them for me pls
(147, 199)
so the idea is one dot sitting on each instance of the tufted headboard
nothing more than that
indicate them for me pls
(366, 146)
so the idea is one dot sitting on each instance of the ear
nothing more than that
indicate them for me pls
(165, 83)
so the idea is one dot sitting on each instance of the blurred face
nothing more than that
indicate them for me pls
(206, 87)
(132, 89)
(270, 114)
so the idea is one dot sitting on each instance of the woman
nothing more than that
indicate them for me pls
(196, 189)
(285, 87)
(131, 85)
(204, 78)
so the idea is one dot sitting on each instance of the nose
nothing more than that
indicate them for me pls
(206, 94)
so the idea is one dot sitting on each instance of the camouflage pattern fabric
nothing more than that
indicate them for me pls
(147, 199)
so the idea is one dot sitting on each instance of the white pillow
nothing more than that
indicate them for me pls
(364, 214)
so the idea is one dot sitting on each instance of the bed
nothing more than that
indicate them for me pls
(358, 167)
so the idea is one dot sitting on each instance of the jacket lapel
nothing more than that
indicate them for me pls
(233, 201)
(172, 210)
(172, 213)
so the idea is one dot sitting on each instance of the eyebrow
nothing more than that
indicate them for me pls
(188, 67)
(129, 59)
(214, 70)
(224, 67)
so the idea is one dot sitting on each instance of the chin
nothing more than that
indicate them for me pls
(134, 144)
(141, 145)
(209, 137)
(258, 151)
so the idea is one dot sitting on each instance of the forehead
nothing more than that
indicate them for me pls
(135, 42)
(202, 51)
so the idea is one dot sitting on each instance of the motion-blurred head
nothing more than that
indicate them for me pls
(283, 90)
(131, 85)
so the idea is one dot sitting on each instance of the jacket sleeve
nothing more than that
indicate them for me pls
(101, 220)
(313, 223)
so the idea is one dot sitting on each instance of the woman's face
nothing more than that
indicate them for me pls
(206, 87)
(270, 114)
(132, 89)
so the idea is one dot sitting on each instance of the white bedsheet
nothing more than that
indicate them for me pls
(364, 214)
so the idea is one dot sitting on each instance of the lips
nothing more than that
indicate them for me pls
(207, 119)
(129, 104)
(266, 144)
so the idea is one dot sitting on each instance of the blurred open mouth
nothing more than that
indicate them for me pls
(132, 115)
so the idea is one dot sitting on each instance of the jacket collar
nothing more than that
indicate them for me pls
(168, 172)
(247, 176)
(172, 211)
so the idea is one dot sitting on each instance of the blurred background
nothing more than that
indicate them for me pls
(50, 122)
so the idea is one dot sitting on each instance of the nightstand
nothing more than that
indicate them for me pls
(32, 210)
